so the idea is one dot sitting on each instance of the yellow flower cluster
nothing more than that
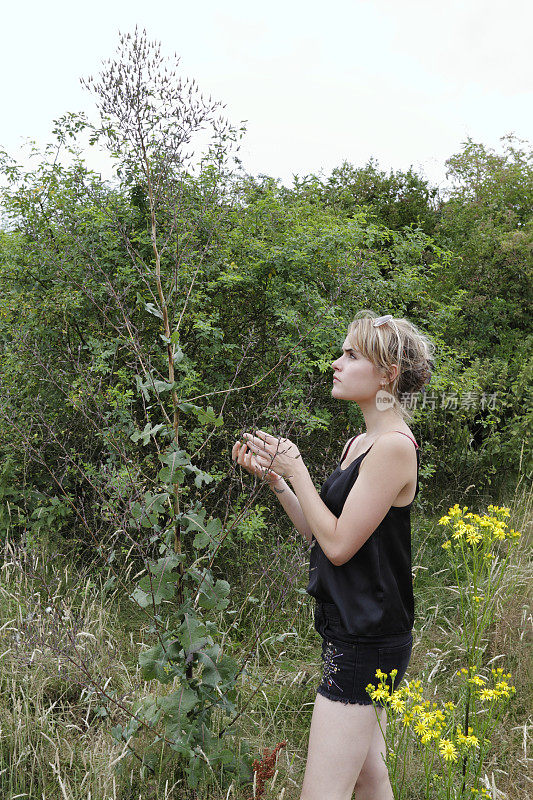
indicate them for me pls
(429, 722)
(500, 689)
(473, 528)
(500, 510)
(466, 741)
(447, 750)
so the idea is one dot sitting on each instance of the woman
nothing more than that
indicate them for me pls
(360, 567)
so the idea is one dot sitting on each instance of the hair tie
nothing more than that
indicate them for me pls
(382, 320)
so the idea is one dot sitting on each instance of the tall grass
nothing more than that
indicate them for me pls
(60, 639)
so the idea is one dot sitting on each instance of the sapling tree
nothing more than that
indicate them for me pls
(129, 272)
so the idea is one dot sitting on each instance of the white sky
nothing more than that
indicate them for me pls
(405, 81)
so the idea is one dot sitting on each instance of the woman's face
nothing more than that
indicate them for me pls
(354, 377)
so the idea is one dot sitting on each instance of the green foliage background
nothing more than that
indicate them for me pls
(282, 274)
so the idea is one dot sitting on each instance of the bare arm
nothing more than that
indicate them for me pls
(292, 507)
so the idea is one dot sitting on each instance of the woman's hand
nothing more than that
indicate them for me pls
(246, 459)
(280, 456)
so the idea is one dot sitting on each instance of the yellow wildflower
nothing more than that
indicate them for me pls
(472, 535)
(498, 532)
(443, 521)
(455, 511)
(381, 693)
(471, 741)
(504, 510)
(503, 689)
(420, 727)
(397, 703)
(447, 544)
(448, 750)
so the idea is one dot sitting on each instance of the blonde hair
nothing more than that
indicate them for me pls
(399, 342)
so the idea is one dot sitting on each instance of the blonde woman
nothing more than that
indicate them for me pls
(359, 529)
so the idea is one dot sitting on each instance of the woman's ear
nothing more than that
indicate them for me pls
(392, 374)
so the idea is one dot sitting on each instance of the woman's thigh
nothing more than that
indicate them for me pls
(339, 741)
(374, 770)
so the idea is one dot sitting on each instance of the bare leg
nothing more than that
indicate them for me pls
(339, 741)
(373, 781)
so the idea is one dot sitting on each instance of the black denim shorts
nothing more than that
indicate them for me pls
(349, 663)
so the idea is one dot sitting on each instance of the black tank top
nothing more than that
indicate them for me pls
(373, 591)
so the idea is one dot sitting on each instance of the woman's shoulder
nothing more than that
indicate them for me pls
(404, 436)
(390, 446)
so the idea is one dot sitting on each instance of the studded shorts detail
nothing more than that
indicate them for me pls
(349, 666)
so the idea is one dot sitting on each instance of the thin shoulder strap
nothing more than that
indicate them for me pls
(351, 442)
(409, 437)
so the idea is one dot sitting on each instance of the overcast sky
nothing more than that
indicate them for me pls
(405, 81)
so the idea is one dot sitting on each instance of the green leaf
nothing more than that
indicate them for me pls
(153, 310)
(177, 704)
(175, 461)
(164, 386)
(208, 535)
(178, 355)
(153, 592)
(193, 633)
(146, 433)
(201, 477)
(141, 598)
(205, 417)
(152, 662)
(213, 596)
(210, 674)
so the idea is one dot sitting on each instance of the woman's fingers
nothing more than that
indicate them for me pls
(244, 456)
